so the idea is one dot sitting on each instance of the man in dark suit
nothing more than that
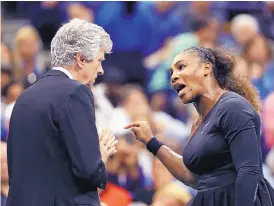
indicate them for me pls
(54, 156)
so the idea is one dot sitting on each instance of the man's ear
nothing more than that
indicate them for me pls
(80, 60)
(207, 68)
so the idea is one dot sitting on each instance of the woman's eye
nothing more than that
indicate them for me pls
(182, 66)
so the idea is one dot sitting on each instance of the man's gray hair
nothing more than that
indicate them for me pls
(78, 36)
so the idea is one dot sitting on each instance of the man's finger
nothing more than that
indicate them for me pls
(104, 138)
(114, 143)
(102, 132)
(112, 150)
(110, 141)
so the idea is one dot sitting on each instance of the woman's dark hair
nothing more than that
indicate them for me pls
(223, 65)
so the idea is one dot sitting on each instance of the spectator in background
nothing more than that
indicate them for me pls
(88, 10)
(45, 16)
(13, 92)
(202, 10)
(79, 10)
(244, 28)
(258, 54)
(126, 26)
(241, 67)
(27, 45)
(6, 77)
(5, 55)
(123, 168)
(4, 174)
(6, 72)
(266, 19)
(166, 21)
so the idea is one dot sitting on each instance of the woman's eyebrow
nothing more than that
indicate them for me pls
(176, 64)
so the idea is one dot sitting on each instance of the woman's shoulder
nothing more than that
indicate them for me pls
(233, 102)
(233, 110)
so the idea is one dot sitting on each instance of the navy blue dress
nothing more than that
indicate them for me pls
(226, 156)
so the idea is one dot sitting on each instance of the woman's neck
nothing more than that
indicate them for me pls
(207, 101)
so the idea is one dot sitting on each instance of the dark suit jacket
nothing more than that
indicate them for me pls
(54, 157)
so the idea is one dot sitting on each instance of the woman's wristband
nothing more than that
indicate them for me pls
(154, 145)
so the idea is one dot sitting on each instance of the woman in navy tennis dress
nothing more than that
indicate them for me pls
(222, 158)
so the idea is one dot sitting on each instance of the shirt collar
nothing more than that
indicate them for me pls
(67, 72)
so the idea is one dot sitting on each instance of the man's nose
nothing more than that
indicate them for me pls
(101, 70)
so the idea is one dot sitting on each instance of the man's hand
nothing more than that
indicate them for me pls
(107, 144)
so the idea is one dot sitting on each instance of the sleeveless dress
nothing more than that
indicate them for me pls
(225, 155)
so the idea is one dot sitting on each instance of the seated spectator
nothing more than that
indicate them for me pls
(242, 67)
(123, 168)
(6, 78)
(6, 59)
(258, 54)
(79, 10)
(121, 17)
(45, 16)
(168, 14)
(244, 27)
(13, 92)
(202, 10)
(26, 48)
(266, 19)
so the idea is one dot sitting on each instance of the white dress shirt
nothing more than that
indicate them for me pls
(64, 71)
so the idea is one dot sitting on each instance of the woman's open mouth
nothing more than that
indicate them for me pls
(179, 87)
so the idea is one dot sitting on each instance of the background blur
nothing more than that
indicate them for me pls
(146, 35)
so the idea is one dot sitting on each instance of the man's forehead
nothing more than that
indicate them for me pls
(101, 54)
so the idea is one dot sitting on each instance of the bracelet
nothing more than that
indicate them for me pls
(154, 145)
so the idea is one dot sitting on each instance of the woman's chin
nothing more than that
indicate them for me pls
(186, 100)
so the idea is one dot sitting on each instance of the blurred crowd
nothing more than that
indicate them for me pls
(146, 36)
